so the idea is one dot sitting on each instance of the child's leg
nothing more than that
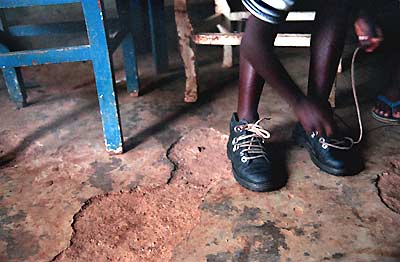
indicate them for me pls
(257, 49)
(326, 46)
(251, 86)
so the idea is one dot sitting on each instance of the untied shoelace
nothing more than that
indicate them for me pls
(347, 142)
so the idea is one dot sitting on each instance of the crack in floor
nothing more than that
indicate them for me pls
(74, 219)
(174, 164)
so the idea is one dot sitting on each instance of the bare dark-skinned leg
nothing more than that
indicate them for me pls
(327, 46)
(250, 89)
(258, 49)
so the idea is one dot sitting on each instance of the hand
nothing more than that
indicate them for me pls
(315, 117)
(369, 34)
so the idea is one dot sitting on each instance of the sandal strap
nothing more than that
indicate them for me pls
(387, 102)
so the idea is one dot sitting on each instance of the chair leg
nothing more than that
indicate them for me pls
(126, 13)
(158, 35)
(14, 83)
(185, 30)
(227, 61)
(105, 82)
(13, 80)
(340, 67)
(332, 96)
(130, 65)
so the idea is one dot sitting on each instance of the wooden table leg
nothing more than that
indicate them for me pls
(187, 50)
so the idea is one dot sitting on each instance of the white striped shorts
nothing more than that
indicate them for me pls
(271, 11)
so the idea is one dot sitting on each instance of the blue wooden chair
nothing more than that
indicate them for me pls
(99, 51)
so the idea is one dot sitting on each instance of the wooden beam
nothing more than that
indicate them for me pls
(293, 40)
(301, 16)
(217, 38)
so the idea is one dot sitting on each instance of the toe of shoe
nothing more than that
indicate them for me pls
(345, 165)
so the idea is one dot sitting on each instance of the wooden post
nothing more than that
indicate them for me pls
(185, 32)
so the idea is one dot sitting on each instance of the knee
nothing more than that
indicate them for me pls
(253, 45)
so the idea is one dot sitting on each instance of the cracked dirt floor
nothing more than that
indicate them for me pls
(171, 197)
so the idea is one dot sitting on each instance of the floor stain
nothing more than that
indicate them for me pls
(101, 178)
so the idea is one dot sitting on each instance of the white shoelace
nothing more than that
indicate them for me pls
(347, 142)
(252, 144)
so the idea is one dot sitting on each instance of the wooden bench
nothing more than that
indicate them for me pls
(189, 37)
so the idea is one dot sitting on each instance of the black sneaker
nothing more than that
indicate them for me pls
(334, 156)
(250, 163)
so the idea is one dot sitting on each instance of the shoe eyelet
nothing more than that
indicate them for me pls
(243, 159)
(324, 146)
(241, 154)
(313, 135)
(237, 129)
(321, 140)
(235, 148)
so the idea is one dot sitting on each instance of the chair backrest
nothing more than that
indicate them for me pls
(27, 3)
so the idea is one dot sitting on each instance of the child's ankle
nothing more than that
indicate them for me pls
(248, 117)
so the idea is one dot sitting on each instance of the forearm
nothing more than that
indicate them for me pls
(257, 48)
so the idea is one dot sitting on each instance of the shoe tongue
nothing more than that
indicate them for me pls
(245, 122)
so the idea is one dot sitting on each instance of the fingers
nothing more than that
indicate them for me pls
(369, 35)
(326, 129)
(308, 128)
(317, 128)
(326, 126)
(329, 130)
(321, 131)
(371, 45)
